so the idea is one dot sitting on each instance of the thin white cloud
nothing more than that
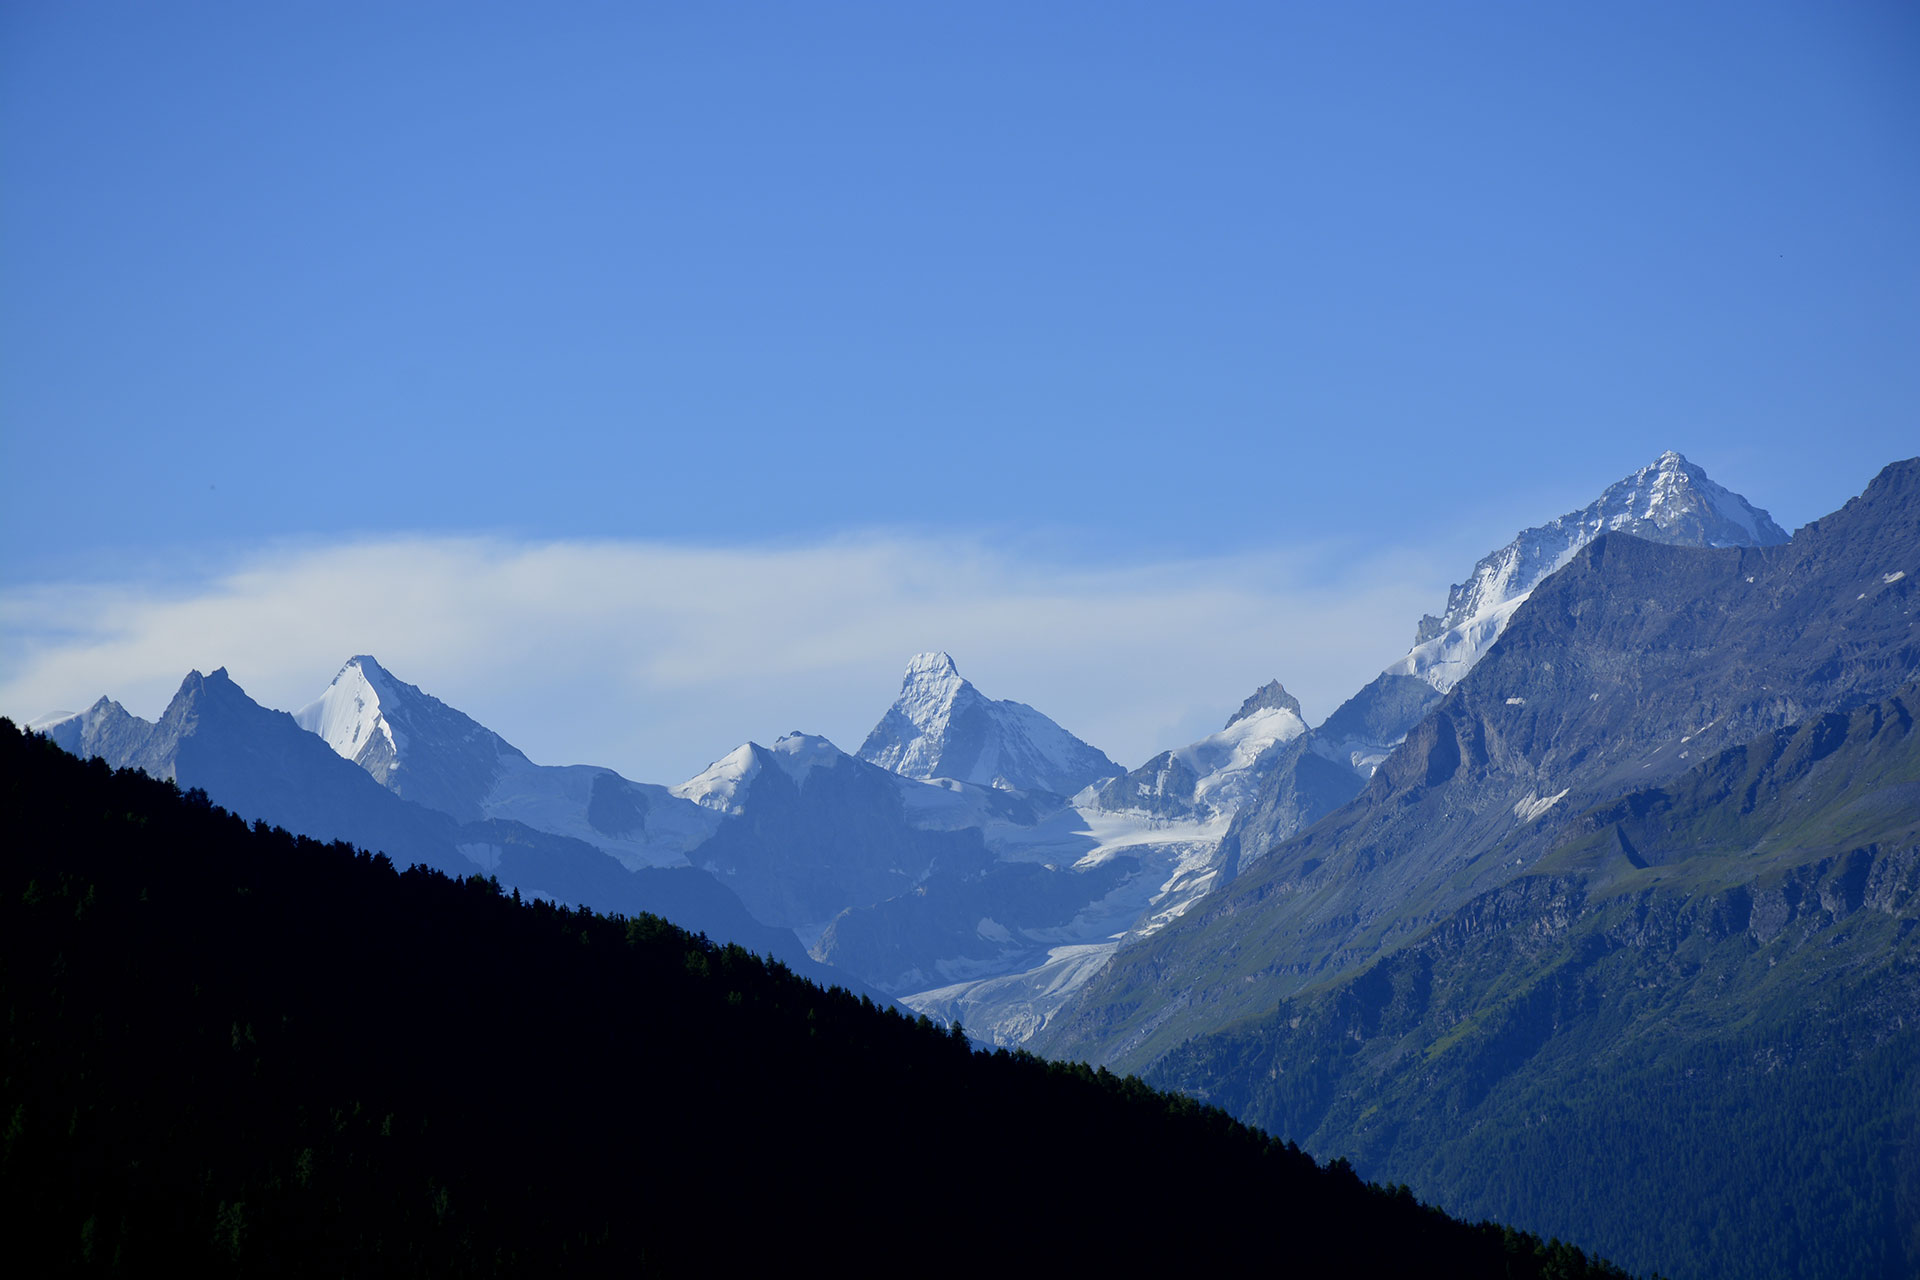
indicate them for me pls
(655, 658)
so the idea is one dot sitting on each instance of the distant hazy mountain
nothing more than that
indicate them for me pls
(942, 727)
(262, 765)
(425, 751)
(809, 831)
(1217, 774)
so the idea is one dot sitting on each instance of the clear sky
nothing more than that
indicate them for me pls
(1150, 350)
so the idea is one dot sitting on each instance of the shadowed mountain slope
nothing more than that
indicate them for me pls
(1687, 1035)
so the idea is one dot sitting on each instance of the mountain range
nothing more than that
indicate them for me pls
(1618, 857)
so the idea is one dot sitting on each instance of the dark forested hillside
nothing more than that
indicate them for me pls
(239, 1051)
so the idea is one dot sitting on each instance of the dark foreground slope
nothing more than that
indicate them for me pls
(238, 1051)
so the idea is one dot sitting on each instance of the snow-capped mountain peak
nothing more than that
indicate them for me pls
(1669, 500)
(932, 690)
(411, 742)
(799, 754)
(936, 665)
(1270, 696)
(349, 716)
(1216, 775)
(942, 727)
(722, 785)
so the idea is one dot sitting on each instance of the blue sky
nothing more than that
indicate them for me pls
(1091, 294)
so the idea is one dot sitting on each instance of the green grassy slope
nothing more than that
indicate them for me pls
(1688, 1036)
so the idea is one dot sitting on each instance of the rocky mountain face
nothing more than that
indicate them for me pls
(942, 727)
(1670, 501)
(1622, 669)
(1698, 1007)
(106, 729)
(1631, 913)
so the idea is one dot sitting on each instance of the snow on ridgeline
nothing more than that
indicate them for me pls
(942, 727)
(350, 716)
(1214, 776)
(723, 785)
(1670, 500)
(424, 750)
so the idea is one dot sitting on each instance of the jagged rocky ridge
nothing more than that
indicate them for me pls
(1669, 501)
(1620, 670)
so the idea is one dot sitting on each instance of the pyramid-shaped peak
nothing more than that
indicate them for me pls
(367, 668)
(943, 727)
(932, 689)
(932, 666)
(1670, 468)
(1268, 696)
(362, 678)
(722, 785)
(213, 693)
(1672, 500)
